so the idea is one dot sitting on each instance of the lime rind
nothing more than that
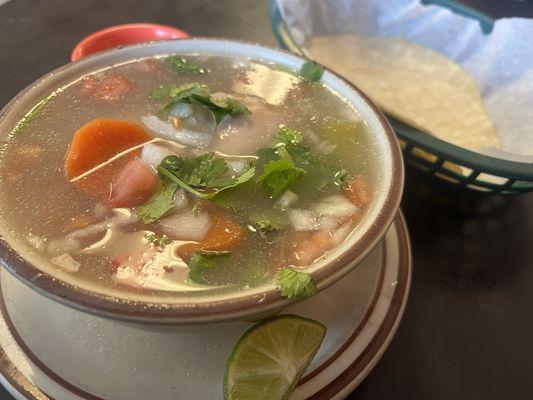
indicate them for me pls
(271, 357)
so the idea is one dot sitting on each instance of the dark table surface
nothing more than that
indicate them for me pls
(468, 329)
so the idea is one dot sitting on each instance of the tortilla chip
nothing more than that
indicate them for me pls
(414, 84)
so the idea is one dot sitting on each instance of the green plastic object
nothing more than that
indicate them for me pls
(441, 159)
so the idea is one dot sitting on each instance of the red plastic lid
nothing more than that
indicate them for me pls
(120, 35)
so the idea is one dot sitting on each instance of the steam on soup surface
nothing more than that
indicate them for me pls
(187, 174)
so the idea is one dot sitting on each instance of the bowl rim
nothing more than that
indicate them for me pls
(129, 310)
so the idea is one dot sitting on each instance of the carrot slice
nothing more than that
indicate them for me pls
(95, 143)
(134, 185)
(358, 191)
(225, 235)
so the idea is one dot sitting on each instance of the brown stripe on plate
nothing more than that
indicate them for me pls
(391, 318)
(361, 324)
(31, 392)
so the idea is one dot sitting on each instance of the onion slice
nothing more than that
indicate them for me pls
(152, 154)
(166, 130)
(186, 225)
(303, 220)
(337, 206)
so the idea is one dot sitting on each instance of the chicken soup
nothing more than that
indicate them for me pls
(188, 173)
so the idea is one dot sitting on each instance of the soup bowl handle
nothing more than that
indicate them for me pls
(122, 35)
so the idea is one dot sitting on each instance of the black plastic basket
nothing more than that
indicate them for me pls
(443, 160)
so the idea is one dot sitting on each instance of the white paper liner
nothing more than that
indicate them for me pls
(501, 63)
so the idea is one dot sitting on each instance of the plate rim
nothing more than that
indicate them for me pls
(22, 388)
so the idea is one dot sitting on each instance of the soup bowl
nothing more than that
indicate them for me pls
(189, 308)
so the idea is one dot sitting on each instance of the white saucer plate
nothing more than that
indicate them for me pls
(49, 351)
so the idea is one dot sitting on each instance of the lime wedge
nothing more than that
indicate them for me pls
(271, 357)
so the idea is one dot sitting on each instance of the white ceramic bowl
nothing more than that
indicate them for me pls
(179, 309)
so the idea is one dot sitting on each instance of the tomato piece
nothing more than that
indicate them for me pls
(306, 247)
(358, 191)
(134, 185)
(111, 87)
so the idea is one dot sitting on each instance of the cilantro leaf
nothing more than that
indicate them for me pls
(228, 183)
(264, 156)
(219, 104)
(295, 284)
(182, 65)
(319, 170)
(177, 92)
(279, 175)
(198, 171)
(201, 173)
(320, 174)
(158, 240)
(202, 263)
(240, 197)
(159, 204)
(311, 71)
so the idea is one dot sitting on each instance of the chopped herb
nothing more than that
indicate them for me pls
(202, 262)
(292, 141)
(158, 240)
(266, 221)
(311, 71)
(32, 114)
(287, 136)
(264, 226)
(159, 204)
(181, 65)
(203, 173)
(295, 284)
(219, 104)
(341, 176)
